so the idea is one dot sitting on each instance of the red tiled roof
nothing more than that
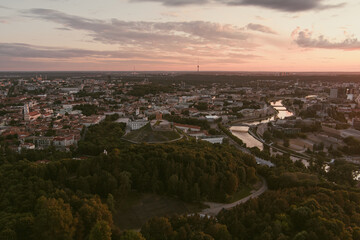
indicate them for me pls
(34, 113)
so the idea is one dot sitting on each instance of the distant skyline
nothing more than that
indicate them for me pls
(173, 35)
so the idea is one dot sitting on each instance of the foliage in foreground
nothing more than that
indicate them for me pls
(73, 199)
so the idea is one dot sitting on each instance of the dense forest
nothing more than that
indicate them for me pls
(297, 213)
(300, 204)
(73, 199)
(74, 195)
(306, 213)
(87, 109)
(104, 136)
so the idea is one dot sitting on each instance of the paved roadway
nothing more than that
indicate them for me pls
(245, 150)
(301, 156)
(215, 208)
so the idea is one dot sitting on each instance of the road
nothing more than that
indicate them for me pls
(298, 155)
(351, 159)
(245, 150)
(215, 208)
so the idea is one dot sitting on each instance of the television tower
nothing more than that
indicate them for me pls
(198, 66)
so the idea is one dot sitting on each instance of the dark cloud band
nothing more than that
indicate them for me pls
(141, 41)
(282, 5)
(160, 35)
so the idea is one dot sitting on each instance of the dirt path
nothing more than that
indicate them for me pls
(215, 208)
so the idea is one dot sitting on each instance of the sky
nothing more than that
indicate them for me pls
(177, 35)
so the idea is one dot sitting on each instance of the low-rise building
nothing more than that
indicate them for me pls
(187, 128)
(213, 139)
(135, 125)
(64, 141)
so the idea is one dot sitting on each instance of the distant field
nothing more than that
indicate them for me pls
(136, 209)
(146, 134)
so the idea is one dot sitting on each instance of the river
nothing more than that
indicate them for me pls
(242, 131)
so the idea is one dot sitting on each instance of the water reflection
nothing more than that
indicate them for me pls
(242, 131)
(283, 112)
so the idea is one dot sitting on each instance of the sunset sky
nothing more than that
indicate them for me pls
(173, 35)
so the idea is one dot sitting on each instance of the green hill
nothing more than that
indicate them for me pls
(148, 135)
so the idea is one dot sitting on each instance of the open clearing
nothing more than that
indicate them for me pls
(136, 209)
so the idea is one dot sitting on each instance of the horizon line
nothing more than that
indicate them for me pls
(129, 71)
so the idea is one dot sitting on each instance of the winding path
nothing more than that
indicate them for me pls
(215, 208)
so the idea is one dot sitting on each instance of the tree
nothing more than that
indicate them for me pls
(100, 231)
(286, 142)
(124, 182)
(173, 184)
(131, 235)
(251, 175)
(202, 236)
(86, 109)
(202, 106)
(300, 215)
(157, 229)
(8, 234)
(267, 136)
(110, 201)
(195, 192)
(219, 232)
(54, 220)
(93, 211)
(24, 226)
(301, 236)
(231, 183)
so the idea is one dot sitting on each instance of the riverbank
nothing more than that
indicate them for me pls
(252, 139)
(279, 148)
(251, 121)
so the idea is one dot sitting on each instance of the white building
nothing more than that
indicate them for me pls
(187, 128)
(64, 141)
(213, 139)
(350, 97)
(333, 93)
(197, 134)
(28, 146)
(135, 125)
(212, 117)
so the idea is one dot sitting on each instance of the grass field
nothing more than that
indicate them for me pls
(146, 134)
(136, 209)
